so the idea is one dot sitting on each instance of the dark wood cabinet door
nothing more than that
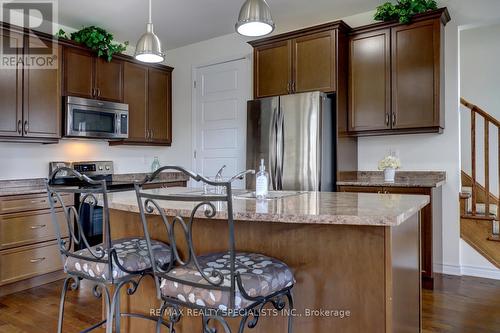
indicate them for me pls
(314, 63)
(78, 72)
(159, 105)
(369, 81)
(272, 69)
(415, 75)
(11, 90)
(136, 96)
(109, 80)
(42, 94)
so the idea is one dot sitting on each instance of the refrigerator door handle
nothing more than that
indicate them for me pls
(280, 147)
(273, 151)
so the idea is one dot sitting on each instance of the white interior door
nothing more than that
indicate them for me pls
(221, 93)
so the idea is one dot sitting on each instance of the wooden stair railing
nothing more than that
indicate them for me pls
(488, 120)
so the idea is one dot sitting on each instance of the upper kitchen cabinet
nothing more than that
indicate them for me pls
(11, 90)
(30, 95)
(78, 72)
(395, 76)
(314, 62)
(109, 80)
(370, 81)
(88, 76)
(272, 73)
(159, 108)
(299, 61)
(136, 96)
(42, 94)
(148, 92)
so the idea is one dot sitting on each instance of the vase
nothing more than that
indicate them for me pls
(389, 175)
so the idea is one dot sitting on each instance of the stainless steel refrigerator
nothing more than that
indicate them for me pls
(298, 138)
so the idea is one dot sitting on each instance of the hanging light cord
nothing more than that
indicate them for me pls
(150, 21)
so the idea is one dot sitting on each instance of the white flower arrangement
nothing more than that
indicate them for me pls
(390, 162)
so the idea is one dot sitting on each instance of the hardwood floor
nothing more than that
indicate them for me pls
(457, 305)
(462, 305)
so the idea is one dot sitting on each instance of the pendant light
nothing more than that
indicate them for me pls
(255, 19)
(148, 47)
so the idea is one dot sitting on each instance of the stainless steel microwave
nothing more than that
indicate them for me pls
(89, 118)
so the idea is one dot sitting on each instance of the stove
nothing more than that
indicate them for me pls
(91, 219)
(96, 170)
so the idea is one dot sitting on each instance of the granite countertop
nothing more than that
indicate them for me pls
(304, 208)
(403, 179)
(37, 185)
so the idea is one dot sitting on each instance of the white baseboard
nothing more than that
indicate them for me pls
(482, 272)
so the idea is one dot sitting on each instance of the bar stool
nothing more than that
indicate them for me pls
(111, 265)
(221, 285)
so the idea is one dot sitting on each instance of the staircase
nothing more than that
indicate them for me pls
(479, 208)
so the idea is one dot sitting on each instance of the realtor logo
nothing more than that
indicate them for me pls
(34, 16)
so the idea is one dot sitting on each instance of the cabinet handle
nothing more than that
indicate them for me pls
(293, 86)
(393, 119)
(40, 226)
(93, 92)
(98, 92)
(37, 260)
(19, 126)
(38, 201)
(152, 134)
(387, 119)
(288, 87)
(26, 127)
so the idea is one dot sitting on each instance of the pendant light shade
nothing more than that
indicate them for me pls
(148, 48)
(255, 19)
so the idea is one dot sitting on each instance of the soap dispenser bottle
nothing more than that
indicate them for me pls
(156, 164)
(261, 181)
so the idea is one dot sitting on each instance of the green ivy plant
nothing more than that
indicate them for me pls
(403, 10)
(97, 39)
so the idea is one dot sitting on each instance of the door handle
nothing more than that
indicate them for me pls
(281, 146)
(26, 127)
(273, 149)
(19, 126)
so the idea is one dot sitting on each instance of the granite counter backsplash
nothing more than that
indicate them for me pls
(403, 179)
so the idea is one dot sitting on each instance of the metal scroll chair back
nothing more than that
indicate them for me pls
(190, 207)
(90, 192)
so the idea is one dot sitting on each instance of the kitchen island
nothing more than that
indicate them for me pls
(355, 256)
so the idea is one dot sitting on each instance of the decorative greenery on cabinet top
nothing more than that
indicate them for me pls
(403, 10)
(97, 39)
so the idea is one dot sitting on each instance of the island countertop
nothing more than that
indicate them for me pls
(303, 208)
(429, 179)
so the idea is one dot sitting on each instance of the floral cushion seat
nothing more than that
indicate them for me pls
(132, 255)
(260, 276)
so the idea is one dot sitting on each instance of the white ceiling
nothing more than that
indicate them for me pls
(183, 22)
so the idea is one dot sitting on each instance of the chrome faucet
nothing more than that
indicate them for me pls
(218, 175)
(241, 175)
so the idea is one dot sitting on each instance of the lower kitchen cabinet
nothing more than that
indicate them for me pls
(29, 253)
(426, 223)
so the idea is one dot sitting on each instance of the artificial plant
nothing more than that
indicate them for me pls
(97, 39)
(403, 10)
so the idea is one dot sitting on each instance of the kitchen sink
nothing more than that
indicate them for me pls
(271, 195)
